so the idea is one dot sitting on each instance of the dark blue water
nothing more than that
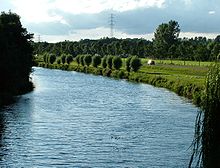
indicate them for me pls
(77, 120)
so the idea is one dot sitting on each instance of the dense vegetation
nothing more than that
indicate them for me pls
(166, 44)
(15, 57)
(206, 144)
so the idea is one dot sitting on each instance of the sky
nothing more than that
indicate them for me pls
(59, 20)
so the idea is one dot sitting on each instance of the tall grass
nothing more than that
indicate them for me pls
(206, 147)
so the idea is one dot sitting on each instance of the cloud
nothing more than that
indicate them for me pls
(131, 17)
(95, 33)
(36, 11)
(211, 12)
(97, 6)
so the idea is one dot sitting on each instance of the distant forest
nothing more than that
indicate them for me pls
(166, 44)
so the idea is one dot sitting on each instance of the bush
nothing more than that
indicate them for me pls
(109, 61)
(117, 63)
(52, 58)
(69, 59)
(106, 72)
(206, 143)
(96, 60)
(58, 61)
(63, 58)
(135, 64)
(87, 59)
(77, 59)
(45, 57)
(127, 64)
(104, 64)
(81, 60)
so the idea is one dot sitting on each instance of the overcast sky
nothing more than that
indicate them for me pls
(59, 20)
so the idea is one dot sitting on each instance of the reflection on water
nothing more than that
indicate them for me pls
(79, 120)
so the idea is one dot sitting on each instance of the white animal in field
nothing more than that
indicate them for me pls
(151, 62)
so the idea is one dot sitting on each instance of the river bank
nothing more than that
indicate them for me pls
(184, 81)
(8, 94)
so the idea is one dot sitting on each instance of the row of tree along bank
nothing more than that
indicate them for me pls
(16, 58)
(126, 68)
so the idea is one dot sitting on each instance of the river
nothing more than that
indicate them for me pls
(78, 120)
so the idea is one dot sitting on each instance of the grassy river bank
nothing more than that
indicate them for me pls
(186, 80)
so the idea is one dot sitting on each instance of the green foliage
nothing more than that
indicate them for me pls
(127, 64)
(103, 63)
(165, 45)
(81, 60)
(16, 55)
(58, 61)
(52, 58)
(117, 63)
(109, 61)
(69, 58)
(45, 57)
(77, 59)
(165, 36)
(87, 59)
(96, 60)
(135, 64)
(206, 143)
(63, 58)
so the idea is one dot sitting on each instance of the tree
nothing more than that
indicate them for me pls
(135, 63)
(215, 51)
(141, 48)
(109, 61)
(103, 63)
(217, 39)
(16, 55)
(171, 52)
(87, 59)
(69, 58)
(81, 60)
(45, 57)
(52, 58)
(63, 58)
(201, 53)
(116, 62)
(127, 64)
(58, 61)
(165, 36)
(77, 59)
(96, 60)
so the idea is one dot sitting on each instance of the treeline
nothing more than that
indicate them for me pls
(15, 58)
(109, 62)
(166, 44)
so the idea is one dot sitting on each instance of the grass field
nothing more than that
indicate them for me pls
(179, 62)
(192, 72)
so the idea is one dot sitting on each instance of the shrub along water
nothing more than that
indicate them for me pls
(117, 63)
(103, 63)
(181, 87)
(206, 146)
(96, 61)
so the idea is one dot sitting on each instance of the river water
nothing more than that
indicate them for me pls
(78, 120)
